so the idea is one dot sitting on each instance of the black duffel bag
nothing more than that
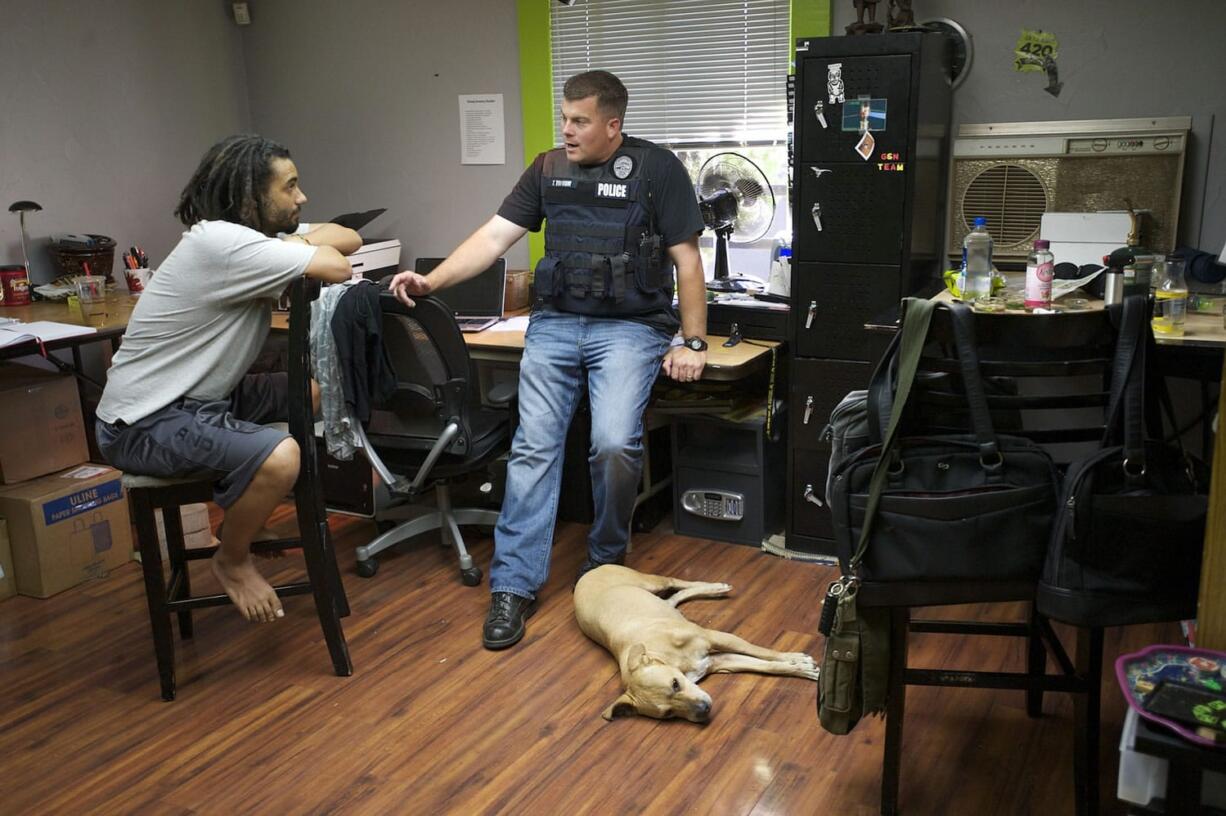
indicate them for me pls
(974, 506)
(1126, 546)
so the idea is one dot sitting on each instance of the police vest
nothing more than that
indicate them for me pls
(603, 254)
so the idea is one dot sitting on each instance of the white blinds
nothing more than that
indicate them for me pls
(699, 72)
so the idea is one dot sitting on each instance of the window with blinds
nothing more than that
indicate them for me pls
(706, 73)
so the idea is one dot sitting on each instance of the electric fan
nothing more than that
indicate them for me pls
(737, 204)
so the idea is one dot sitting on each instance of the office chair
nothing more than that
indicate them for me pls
(1046, 379)
(148, 494)
(433, 431)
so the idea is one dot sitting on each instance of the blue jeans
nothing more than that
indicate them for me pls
(619, 360)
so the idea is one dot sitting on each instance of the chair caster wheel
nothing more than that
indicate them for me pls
(471, 576)
(368, 568)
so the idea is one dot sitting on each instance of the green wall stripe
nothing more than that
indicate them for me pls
(535, 92)
(809, 18)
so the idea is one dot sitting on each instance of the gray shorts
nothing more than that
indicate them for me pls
(224, 440)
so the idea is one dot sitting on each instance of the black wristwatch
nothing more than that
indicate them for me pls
(695, 344)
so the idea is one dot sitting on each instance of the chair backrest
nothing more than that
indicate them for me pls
(432, 367)
(1047, 378)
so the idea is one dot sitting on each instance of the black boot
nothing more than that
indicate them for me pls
(505, 623)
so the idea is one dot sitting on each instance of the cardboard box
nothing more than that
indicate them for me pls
(8, 584)
(66, 528)
(516, 294)
(42, 430)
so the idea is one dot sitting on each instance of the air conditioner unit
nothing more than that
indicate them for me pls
(1013, 172)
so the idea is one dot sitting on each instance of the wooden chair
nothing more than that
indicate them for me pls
(173, 594)
(1047, 379)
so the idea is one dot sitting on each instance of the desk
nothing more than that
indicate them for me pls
(119, 310)
(723, 364)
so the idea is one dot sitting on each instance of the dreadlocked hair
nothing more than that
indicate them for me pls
(230, 183)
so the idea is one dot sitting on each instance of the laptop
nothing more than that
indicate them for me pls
(476, 302)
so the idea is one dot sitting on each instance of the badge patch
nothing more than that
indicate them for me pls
(623, 166)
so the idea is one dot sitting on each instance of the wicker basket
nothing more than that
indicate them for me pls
(70, 260)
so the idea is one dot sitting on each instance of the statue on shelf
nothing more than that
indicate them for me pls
(904, 19)
(861, 27)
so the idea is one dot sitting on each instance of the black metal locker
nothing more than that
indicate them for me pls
(866, 228)
(850, 213)
(872, 77)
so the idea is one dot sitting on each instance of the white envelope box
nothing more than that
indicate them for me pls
(376, 259)
(1084, 238)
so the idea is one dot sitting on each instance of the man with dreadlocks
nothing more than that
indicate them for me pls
(178, 398)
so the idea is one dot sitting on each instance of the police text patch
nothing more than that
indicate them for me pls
(607, 189)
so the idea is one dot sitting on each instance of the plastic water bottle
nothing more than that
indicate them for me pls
(1171, 300)
(975, 280)
(1040, 268)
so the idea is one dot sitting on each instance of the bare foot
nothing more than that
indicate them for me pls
(254, 597)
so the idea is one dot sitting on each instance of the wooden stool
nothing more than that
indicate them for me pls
(173, 594)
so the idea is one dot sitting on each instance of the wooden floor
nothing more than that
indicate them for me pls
(431, 723)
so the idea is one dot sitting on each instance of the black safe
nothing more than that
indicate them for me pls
(870, 160)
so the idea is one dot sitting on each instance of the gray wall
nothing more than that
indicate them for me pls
(365, 95)
(1120, 59)
(105, 109)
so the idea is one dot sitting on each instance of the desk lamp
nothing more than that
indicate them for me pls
(21, 208)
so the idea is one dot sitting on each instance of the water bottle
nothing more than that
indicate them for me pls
(1171, 300)
(1040, 269)
(975, 279)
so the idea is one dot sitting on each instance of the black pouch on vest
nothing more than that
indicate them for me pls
(547, 281)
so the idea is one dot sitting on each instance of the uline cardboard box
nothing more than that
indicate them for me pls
(8, 584)
(66, 528)
(42, 430)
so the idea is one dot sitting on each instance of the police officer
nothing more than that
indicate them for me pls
(620, 216)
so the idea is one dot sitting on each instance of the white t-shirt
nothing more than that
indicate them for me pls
(202, 319)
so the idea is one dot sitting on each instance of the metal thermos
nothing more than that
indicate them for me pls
(1113, 286)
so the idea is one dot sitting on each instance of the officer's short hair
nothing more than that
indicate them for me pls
(610, 93)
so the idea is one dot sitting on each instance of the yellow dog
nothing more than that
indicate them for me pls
(661, 654)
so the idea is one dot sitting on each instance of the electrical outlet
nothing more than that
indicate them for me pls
(242, 14)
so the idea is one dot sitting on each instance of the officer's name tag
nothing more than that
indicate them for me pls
(561, 182)
(606, 189)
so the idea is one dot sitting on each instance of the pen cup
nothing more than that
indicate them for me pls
(137, 279)
(91, 292)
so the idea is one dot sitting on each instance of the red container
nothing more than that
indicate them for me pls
(14, 286)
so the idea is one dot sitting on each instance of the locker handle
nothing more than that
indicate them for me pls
(812, 314)
(811, 497)
(808, 409)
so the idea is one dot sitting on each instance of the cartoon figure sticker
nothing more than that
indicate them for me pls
(834, 82)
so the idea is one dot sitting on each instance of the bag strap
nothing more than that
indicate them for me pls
(1127, 340)
(972, 384)
(881, 391)
(917, 316)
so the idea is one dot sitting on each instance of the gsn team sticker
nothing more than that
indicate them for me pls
(623, 166)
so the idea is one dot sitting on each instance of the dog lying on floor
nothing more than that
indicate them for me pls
(661, 654)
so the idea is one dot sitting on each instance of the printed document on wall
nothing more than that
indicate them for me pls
(482, 130)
